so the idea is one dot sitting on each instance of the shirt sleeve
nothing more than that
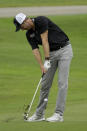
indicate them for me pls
(42, 24)
(32, 42)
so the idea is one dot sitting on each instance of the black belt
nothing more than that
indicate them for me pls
(61, 46)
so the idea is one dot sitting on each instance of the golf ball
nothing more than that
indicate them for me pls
(46, 99)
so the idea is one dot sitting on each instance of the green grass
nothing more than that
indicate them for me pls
(20, 73)
(14, 3)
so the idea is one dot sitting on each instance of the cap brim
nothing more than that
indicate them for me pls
(17, 29)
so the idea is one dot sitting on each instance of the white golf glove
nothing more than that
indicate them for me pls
(47, 64)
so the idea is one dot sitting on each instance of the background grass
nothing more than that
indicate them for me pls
(20, 73)
(14, 3)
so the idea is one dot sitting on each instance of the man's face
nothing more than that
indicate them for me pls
(26, 25)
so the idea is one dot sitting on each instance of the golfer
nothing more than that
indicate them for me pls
(57, 55)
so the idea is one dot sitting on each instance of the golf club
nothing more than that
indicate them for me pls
(28, 108)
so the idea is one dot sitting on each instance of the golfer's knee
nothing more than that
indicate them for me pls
(45, 88)
(62, 84)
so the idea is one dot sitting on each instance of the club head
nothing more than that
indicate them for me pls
(25, 116)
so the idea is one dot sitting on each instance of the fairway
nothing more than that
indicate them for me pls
(20, 74)
(19, 3)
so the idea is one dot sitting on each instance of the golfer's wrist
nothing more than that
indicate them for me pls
(41, 66)
(47, 58)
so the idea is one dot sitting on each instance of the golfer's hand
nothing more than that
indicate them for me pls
(47, 64)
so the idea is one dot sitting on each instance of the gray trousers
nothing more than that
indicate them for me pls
(59, 59)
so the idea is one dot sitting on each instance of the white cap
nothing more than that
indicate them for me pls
(20, 18)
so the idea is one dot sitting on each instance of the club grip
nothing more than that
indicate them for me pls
(43, 75)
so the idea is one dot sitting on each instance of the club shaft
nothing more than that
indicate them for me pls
(34, 95)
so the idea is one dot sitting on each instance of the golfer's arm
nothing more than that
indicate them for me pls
(44, 37)
(38, 57)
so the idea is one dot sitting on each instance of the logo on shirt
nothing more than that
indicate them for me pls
(32, 35)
